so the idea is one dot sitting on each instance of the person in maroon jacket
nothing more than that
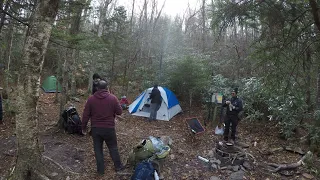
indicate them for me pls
(101, 109)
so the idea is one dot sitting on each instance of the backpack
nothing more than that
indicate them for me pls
(143, 151)
(144, 171)
(72, 122)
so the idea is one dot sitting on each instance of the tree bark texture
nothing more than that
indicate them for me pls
(29, 153)
(316, 16)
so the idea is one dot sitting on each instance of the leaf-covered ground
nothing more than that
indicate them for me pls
(75, 153)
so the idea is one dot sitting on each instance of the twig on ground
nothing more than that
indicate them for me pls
(254, 159)
(279, 167)
(68, 170)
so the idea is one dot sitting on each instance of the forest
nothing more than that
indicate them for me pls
(267, 49)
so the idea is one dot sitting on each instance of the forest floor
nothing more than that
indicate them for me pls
(75, 153)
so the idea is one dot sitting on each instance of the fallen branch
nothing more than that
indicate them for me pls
(254, 159)
(40, 176)
(271, 151)
(279, 167)
(67, 169)
(295, 150)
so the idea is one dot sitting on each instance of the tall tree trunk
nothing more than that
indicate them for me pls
(3, 14)
(316, 16)
(9, 57)
(103, 12)
(73, 72)
(307, 70)
(77, 7)
(29, 153)
(65, 83)
(203, 25)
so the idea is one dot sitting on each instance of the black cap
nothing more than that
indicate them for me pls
(96, 76)
(235, 90)
(102, 84)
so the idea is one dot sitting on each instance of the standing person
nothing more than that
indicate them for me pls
(234, 106)
(96, 78)
(101, 109)
(156, 101)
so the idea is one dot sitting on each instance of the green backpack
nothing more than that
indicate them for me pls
(140, 152)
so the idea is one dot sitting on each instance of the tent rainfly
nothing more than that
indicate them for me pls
(169, 107)
(49, 85)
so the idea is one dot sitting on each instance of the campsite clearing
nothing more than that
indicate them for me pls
(75, 153)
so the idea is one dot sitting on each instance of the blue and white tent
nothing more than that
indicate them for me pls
(169, 107)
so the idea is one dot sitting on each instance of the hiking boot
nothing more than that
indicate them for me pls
(120, 168)
(123, 171)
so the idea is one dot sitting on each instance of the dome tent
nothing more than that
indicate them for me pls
(49, 85)
(169, 107)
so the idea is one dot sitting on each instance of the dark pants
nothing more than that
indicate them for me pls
(108, 135)
(154, 107)
(233, 120)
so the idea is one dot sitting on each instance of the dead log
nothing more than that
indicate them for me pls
(279, 167)
(295, 150)
(270, 151)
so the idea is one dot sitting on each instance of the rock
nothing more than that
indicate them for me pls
(243, 145)
(236, 175)
(235, 168)
(210, 154)
(75, 99)
(172, 157)
(54, 174)
(68, 178)
(247, 165)
(308, 176)
(214, 178)
(214, 167)
(181, 151)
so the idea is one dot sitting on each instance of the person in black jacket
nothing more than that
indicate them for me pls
(234, 106)
(96, 78)
(156, 101)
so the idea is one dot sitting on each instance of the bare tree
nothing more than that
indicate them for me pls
(29, 153)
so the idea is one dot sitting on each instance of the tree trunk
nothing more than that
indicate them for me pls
(64, 93)
(3, 14)
(77, 7)
(9, 58)
(307, 70)
(316, 16)
(73, 74)
(203, 25)
(103, 13)
(29, 153)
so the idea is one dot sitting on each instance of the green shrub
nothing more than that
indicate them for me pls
(188, 76)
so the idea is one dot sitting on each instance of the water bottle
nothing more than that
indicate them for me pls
(156, 176)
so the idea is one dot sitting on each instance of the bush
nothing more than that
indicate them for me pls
(314, 132)
(188, 76)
